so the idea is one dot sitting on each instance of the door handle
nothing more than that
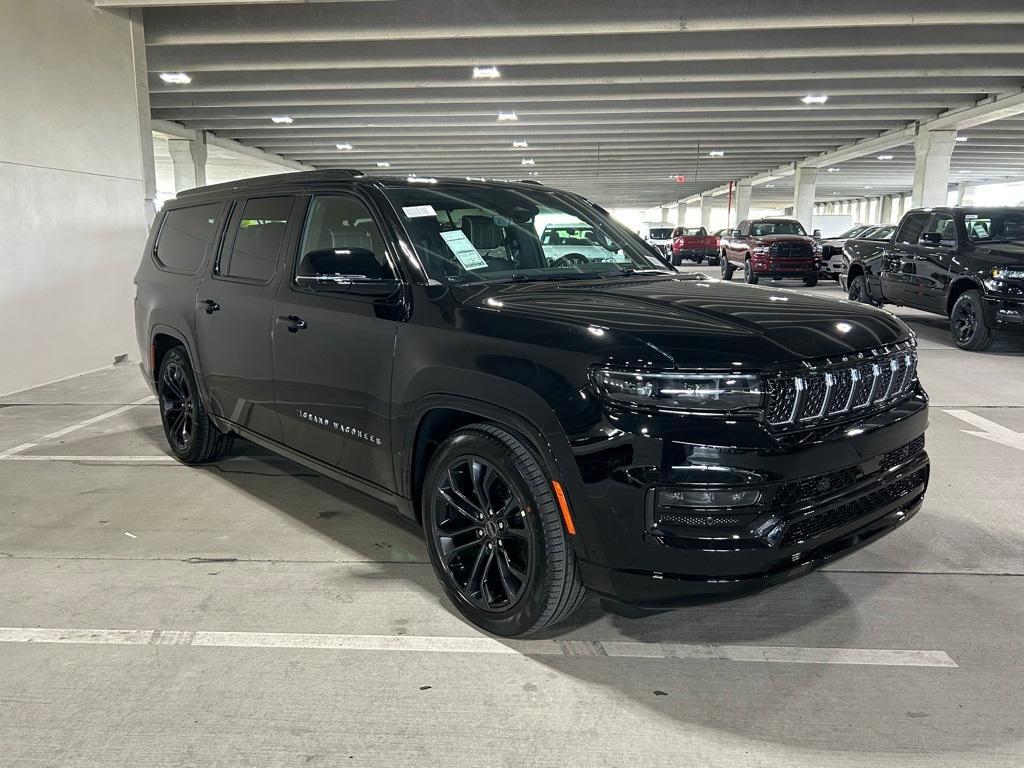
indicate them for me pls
(295, 323)
(211, 306)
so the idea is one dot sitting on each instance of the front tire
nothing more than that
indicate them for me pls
(727, 268)
(495, 534)
(859, 290)
(748, 273)
(810, 282)
(190, 433)
(967, 323)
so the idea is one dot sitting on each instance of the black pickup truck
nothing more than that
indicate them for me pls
(965, 263)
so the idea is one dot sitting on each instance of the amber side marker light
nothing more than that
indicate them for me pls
(563, 505)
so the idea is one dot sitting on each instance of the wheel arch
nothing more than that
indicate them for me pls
(958, 288)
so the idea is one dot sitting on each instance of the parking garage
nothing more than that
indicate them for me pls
(270, 605)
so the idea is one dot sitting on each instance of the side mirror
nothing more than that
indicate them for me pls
(817, 234)
(736, 233)
(930, 238)
(345, 270)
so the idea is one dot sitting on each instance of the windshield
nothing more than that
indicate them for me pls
(852, 233)
(661, 234)
(877, 233)
(471, 234)
(999, 226)
(763, 228)
(701, 232)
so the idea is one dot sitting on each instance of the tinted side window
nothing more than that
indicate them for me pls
(258, 235)
(342, 222)
(943, 225)
(912, 227)
(185, 234)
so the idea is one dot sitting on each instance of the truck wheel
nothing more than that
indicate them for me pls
(727, 268)
(859, 290)
(968, 324)
(810, 282)
(748, 273)
(191, 434)
(495, 534)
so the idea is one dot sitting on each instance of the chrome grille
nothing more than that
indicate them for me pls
(856, 383)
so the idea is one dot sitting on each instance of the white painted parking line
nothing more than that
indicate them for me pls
(482, 645)
(75, 427)
(989, 430)
(92, 459)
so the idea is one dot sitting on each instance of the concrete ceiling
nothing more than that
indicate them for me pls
(613, 97)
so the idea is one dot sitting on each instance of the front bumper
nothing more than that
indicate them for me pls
(853, 486)
(1005, 314)
(765, 266)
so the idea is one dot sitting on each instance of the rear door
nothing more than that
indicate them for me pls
(334, 347)
(899, 265)
(234, 314)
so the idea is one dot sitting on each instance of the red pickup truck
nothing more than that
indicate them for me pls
(694, 244)
(771, 248)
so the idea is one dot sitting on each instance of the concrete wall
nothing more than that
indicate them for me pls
(72, 217)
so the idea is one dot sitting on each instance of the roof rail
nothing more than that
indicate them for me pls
(279, 178)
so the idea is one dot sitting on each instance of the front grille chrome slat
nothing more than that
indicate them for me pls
(835, 389)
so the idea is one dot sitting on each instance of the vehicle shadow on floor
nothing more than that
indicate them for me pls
(935, 329)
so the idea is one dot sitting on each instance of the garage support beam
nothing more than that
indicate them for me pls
(742, 200)
(804, 186)
(933, 150)
(681, 209)
(706, 206)
(885, 214)
(188, 157)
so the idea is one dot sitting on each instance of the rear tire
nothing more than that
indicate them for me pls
(967, 323)
(859, 290)
(748, 273)
(495, 534)
(190, 432)
(727, 268)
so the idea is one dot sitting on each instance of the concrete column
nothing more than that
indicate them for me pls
(189, 159)
(803, 194)
(706, 204)
(965, 193)
(681, 214)
(885, 212)
(742, 200)
(932, 153)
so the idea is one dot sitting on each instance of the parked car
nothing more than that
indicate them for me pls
(866, 239)
(659, 236)
(694, 244)
(555, 424)
(965, 263)
(832, 251)
(772, 248)
(572, 240)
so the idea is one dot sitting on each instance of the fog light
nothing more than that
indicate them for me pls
(679, 497)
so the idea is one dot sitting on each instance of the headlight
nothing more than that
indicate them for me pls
(719, 392)
(1008, 273)
(762, 250)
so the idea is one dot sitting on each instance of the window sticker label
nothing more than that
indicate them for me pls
(463, 249)
(419, 211)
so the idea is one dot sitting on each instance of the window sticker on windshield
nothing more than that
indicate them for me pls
(419, 211)
(463, 249)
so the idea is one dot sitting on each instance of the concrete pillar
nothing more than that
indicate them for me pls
(742, 200)
(932, 153)
(803, 194)
(885, 213)
(189, 159)
(965, 193)
(681, 214)
(706, 204)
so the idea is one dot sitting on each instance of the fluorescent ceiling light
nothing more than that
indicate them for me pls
(504, 117)
(175, 78)
(811, 99)
(528, 161)
(520, 144)
(486, 73)
(344, 147)
(868, 186)
(282, 120)
(716, 153)
(833, 170)
(885, 157)
(961, 139)
(384, 165)
(769, 186)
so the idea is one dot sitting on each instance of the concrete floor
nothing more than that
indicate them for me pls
(127, 539)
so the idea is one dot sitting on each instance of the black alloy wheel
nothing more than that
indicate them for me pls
(495, 533)
(968, 324)
(481, 533)
(859, 290)
(190, 433)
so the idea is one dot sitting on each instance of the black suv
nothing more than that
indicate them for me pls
(965, 263)
(557, 422)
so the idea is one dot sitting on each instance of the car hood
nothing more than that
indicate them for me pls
(694, 322)
(1004, 254)
(769, 239)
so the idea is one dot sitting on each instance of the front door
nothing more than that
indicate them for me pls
(334, 344)
(235, 311)
(899, 263)
(931, 260)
